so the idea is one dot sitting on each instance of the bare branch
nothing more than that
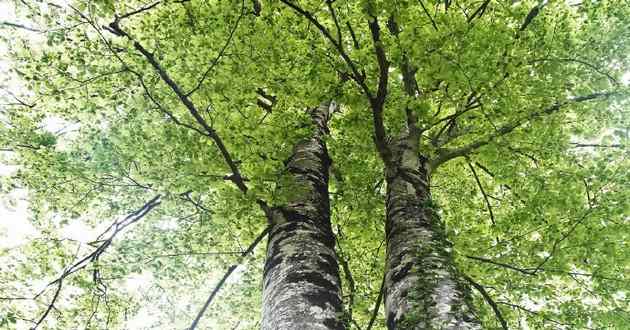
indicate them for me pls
(348, 275)
(355, 42)
(377, 304)
(530, 17)
(357, 76)
(138, 11)
(489, 300)
(595, 145)
(227, 274)
(103, 244)
(20, 26)
(335, 20)
(582, 62)
(376, 102)
(483, 192)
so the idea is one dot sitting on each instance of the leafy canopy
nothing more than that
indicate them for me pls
(523, 106)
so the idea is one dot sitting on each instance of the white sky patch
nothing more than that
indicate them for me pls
(15, 227)
(58, 125)
(237, 274)
(535, 236)
(619, 295)
(625, 79)
(77, 230)
(137, 283)
(533, 305)
(168, 224)
(543, 254)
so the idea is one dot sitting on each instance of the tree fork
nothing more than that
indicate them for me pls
(301, 283)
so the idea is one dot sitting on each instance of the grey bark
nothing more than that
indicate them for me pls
(423, 288)
(301, 284)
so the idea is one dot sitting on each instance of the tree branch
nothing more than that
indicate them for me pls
(227, 274)
(378, 101)
(428, 15)
(104, 243)
(489, 300)
(209, 131)
(483, 192)
(221, 52)
(358, 77)
(334, 17)
(355, 42)
(530, 17)
(480, 11)
(448, 154)
(377, 304)
(138, 11)
(595, 145)
(585, 63)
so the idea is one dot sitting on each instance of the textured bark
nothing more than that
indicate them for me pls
(423, 289)
(301, 284)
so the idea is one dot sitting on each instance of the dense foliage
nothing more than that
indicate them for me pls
(522, 104)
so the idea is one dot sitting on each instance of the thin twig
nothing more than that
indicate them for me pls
(227, 274)
(428, 15)
(215, 61)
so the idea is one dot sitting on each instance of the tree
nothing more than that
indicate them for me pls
(477, 161)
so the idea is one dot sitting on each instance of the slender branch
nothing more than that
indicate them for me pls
(162, 109)
(489, 300)
(595, 145)
(585, 63)
(335, 20)
(227, 274)
(530, 17)
(138, 11)
(535, 313)
(357, 76)
(172, 255)
(428, 15)
(557, 242)
(235, 177)
(51, 305)
(480, 11)
(504, 265)
(448, 154)
(483, 192)
(209, 131)
(377, 304)
(20, 26)
(221, 52)
(355, 42)
(113, 230)
(348, 275)
(378, 101)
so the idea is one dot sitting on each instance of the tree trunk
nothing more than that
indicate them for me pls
(301, 284)
(423, 289)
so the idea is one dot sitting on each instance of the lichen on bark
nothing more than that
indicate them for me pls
(301, 284)
(423, 287)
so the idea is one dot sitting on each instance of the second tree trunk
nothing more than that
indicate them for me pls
(423, 288)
